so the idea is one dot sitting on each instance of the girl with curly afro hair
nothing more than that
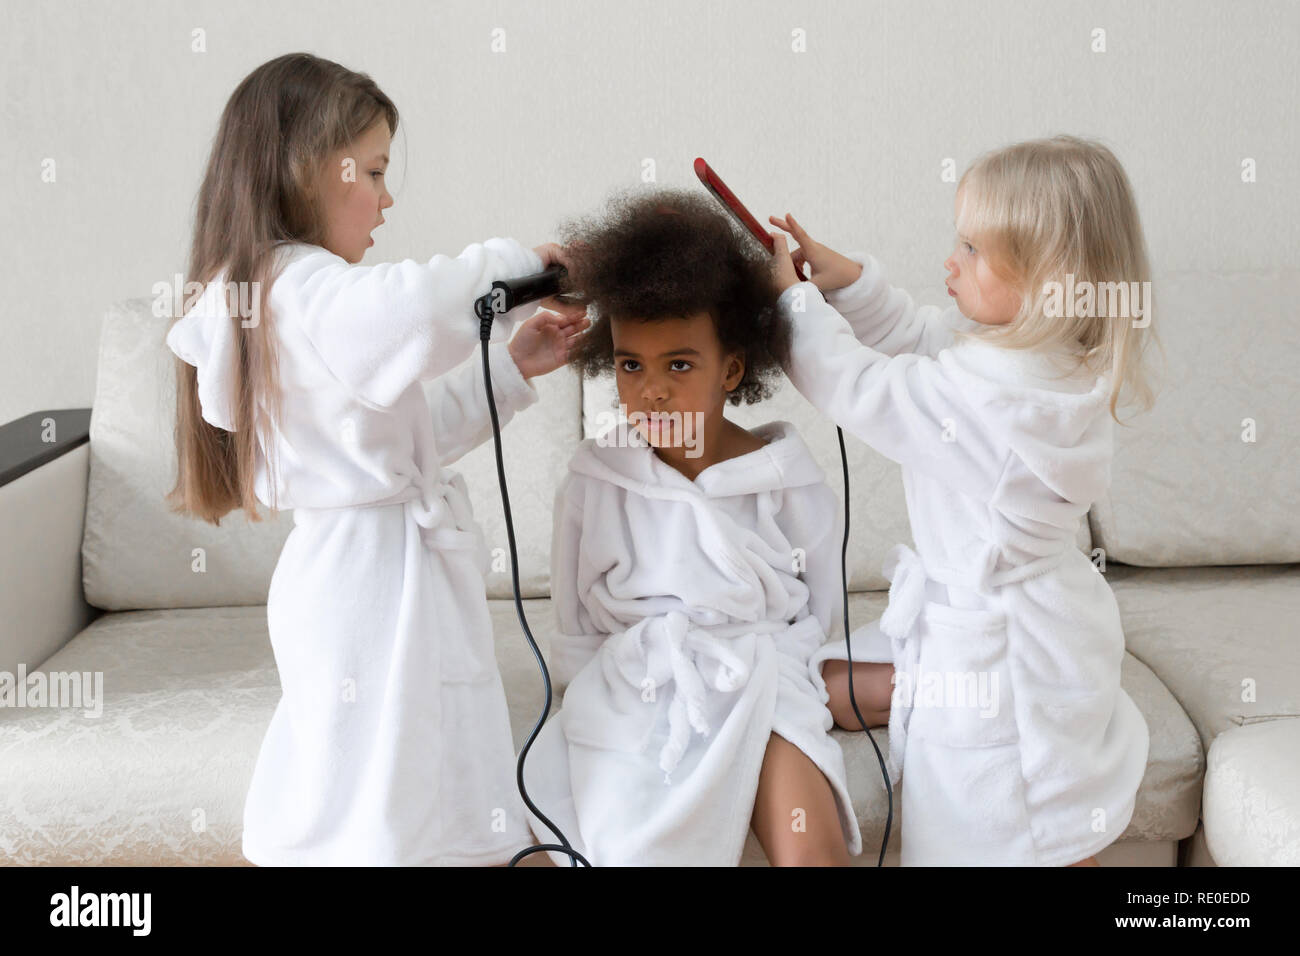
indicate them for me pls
(667, 272)
(691, 584)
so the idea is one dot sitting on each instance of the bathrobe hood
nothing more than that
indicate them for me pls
(784, 462)
(205, 338)
(1058, 425)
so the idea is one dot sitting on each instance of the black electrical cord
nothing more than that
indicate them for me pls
(485, 309)
(848, 646)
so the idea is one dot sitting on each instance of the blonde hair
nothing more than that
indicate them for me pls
(261, 189)
(1061, 210)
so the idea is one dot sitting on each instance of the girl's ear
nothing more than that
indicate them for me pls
(735, 371)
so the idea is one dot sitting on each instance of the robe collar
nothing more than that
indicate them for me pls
(783, 462)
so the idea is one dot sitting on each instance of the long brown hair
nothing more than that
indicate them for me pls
(277, 133)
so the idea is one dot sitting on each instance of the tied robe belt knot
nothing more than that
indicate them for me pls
(446, 518)
(441, 507)
(908, 576)
(695, 658)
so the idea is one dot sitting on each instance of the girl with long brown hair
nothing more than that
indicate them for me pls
(309, 382)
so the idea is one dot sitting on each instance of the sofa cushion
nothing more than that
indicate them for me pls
(160, 777)
(1252, 795)
(1186, 489)
(1223, 640)
(136, 553)
(878, 516)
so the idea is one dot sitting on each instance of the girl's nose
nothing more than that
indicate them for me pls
(654, 391)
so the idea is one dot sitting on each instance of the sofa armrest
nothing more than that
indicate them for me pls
(44, 468)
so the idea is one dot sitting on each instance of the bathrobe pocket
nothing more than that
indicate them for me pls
(962, 693)
(468, 650)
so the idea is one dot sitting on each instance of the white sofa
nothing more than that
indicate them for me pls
(1200, 535)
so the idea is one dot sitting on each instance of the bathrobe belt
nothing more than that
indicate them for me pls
(441, 508)
(446, 518)
(671, 647)
(907, 575)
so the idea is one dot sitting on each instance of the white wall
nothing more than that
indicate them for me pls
(849, 135)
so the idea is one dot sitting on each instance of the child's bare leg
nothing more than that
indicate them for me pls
(795, 817)
(873, 686)
(1090, 861)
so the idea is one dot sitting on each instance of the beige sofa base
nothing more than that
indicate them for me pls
(160, 777)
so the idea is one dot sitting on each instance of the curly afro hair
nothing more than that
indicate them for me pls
(670, 253)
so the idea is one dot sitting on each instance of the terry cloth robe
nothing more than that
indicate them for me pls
(391, 743)
(687, 612)
(1015, 743)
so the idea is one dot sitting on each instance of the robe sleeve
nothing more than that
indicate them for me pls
(822, 567)
(885, 317)
(907, 407)
(380, 329)
(458, 401)
(812, 520)
(577, 639)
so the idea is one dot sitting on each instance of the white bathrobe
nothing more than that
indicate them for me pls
(391, 742)
(688, 612)
(1019, 746)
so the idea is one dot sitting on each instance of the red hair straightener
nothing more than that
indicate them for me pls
(714, 184)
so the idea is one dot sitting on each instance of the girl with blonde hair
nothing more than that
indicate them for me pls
(1002, 642)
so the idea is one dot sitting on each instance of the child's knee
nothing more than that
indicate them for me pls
(872, 689)
(833, 674)
(881, 686)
